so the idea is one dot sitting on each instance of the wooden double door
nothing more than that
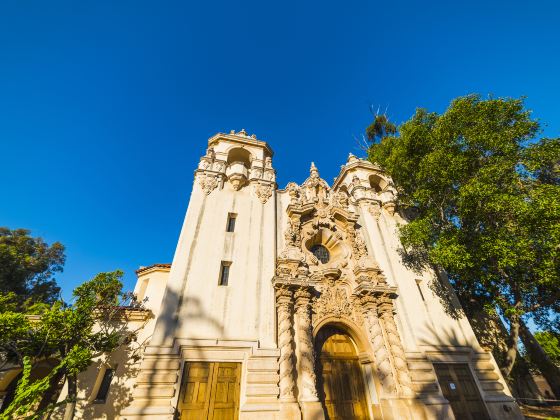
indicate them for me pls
(340, 379)
(460, 389)
(210, 390)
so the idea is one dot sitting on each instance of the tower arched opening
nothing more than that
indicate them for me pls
(239, 155)
(377, 183)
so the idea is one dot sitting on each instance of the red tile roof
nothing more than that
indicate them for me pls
(142, 269)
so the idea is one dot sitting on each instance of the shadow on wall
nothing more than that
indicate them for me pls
(127, 361)
(119, 396)
(488, 328)
(417, 262)
(194, 311)
(189, 309)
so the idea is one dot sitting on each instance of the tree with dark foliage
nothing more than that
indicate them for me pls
(27, 266)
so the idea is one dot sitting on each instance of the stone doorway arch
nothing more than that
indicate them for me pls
(340, 380)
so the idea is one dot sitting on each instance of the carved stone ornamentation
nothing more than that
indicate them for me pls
(306, 356)
(379, 347)
(334, 301)
(256, 172)
(294, 193)
(314, 189)
(375, 209)
(219, 166)
(399, 358)
(263, 191)
(284, 304)
(237, 181)
(390, 207)
(291, 261)
(208, 183)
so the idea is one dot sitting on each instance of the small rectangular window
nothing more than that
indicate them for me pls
(103, 390)
(224, 273)
(231, 222)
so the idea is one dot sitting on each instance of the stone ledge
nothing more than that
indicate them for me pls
(422, 376)
(160, 364)
(491, 386)
(157, 377)
(487, 375)
(262, 389)
(132, 410)
(274, 406)
(154, 392)
(262, 377)
(270, 364)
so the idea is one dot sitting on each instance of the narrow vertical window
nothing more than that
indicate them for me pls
(142, 290)
(224, 273)
(231, 222)
(103, 390)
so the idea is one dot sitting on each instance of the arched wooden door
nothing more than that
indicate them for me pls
(340, 378)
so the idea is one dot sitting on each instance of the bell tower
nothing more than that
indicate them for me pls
(218, 315)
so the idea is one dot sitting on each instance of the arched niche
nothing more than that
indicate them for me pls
(238, 166)
(377, 183)
(239, 155)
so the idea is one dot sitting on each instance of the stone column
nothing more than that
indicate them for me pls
(309, 400)
(284, 305)
(380, 348)
(385, 309)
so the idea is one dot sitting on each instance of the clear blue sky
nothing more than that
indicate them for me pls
(106, 106)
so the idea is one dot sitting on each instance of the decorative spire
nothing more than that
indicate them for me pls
(351, 157)
(313, 171)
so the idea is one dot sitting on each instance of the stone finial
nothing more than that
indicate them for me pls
(351, 158)
(242, 132)
(313, 171)
(231, 131)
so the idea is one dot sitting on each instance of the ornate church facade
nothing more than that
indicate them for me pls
(295, 303)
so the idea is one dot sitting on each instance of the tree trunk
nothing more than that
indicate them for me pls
(538, 356)
(513, 337)
(51, 394)
(72, 395)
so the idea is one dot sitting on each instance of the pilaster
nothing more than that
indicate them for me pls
(309, 399)
(289, 407)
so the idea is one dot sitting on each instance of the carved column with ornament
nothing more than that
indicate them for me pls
(385, 309)
(285, 307)
(379, 346)
(309, 400)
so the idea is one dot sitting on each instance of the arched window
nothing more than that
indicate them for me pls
(321, 253)
(239, 155)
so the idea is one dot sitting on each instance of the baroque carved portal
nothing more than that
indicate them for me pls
(344, 286)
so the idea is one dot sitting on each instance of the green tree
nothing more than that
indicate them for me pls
(483, 200)
(549, 342)
(27, 266)
(73, 335)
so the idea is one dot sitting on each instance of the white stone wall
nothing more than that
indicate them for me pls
(195, 305)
